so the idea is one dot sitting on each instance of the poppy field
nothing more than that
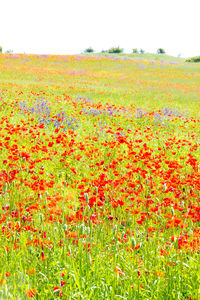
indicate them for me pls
(99, 177)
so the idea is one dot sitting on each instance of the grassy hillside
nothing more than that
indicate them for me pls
(99, 177)
(145, 56)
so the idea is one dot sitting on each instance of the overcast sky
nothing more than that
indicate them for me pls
(69, 27)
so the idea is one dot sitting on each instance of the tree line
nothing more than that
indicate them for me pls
(121, 50)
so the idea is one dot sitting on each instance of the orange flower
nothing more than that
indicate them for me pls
(30, 293)
(119, 271)
(30, 272)
(159, 274)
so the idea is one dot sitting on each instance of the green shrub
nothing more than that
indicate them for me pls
(142, 51)
(89, 50)
(161, 51)
(135, 50)
(115, 50)
(1, 49)
(193, 59)
(9, 51)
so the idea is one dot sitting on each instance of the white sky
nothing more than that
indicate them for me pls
(69, 27)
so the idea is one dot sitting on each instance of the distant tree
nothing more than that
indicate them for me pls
(142, 51)
(194, 59)
(161, 51)
(9, 51)
(135, 50)
(89, 50)
(1, 49)
(115, 50)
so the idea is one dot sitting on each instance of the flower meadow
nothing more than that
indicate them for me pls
(99, 178)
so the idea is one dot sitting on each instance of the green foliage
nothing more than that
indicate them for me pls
(101, 211)
(135, 50)
(9, 51)
(193, 59)
(161, 51)
(89, 50)
(115, 50)
(142, 51)
(1, 49)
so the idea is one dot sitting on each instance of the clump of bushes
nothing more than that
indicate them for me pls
(161, 51)
(115, 50)
(135, 50)
(193, 59)
(89, 50)
(9, 51)
(1, 49)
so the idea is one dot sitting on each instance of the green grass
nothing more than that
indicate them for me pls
(99, 177)
(145, 56)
